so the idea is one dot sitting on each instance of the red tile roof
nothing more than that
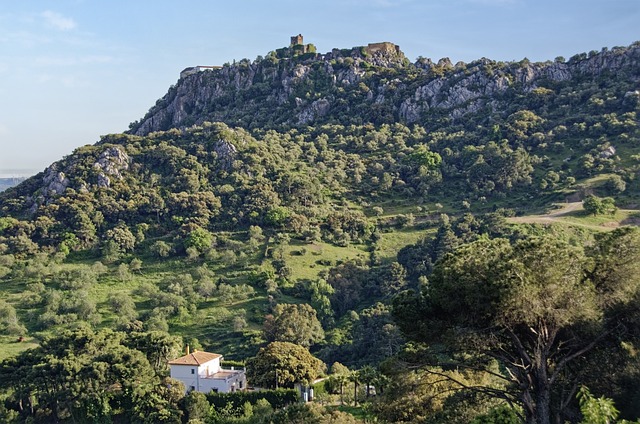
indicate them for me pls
(195, 358)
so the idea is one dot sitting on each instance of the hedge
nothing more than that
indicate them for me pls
(278, 398)
(227, 363)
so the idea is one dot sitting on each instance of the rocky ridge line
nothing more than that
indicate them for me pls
(456, 89)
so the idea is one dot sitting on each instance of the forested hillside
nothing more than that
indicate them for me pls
(354, 204)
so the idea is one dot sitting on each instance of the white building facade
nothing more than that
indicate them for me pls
(201, 371)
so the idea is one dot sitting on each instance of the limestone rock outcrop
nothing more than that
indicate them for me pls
(321, 88)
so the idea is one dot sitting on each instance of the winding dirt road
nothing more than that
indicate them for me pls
(556, 216)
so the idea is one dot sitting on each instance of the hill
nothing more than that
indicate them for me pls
(5, 183)
(335, 180)
(377, 84)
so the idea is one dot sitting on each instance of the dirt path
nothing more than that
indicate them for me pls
(550, 217)
(566, 209)
(556, 216)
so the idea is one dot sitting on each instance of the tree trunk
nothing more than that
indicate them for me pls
(355, 393)
(543, 405)
(538, 400)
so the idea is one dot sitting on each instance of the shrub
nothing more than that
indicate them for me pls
(278, 398)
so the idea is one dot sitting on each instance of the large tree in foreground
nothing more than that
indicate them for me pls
(539, 307)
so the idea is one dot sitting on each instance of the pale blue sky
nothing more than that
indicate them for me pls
(72, 70)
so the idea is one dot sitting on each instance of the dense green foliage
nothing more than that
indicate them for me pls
(283, 364)
(276, 398)
(92, 376)
(315, 206)
(537, 307)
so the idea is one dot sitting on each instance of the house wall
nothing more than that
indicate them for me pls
(188, 374)
(297, 39)
(239, 381)
(211, 367)
(222, 385)
(236, 382)
(192, 375)
(195, 378)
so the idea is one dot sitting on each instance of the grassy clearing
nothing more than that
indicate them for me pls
(391, 242)
(10, 346)
(307, 260)
(394, 207)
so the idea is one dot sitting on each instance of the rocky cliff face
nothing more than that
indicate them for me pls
(323, 88)
(106, 163)
(110, 163)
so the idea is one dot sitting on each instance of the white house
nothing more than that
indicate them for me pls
(195, 69)
(201, 371)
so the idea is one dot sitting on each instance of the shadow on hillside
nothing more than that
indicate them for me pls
(633, 219)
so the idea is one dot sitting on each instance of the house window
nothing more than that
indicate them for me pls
(192, 388)
(240, 384)
(214, 390)
(193, 371)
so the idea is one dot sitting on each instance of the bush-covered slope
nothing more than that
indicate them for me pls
(313, 188)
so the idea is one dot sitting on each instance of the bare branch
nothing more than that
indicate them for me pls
(569, 358)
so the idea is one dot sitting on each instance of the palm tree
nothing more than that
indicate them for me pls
(367, 375)
(355, 378)
(342, 380)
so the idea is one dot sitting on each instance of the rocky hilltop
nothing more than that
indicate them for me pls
(259, 142)
(376, 84)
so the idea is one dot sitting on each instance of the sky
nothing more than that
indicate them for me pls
(73, 70)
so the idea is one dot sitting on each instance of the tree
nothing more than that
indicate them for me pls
(256, 237)
(158, 346)
(199, 238)
(9, 322)
(277, 216)
(122, 236)
(367, 375)
(72, 375)
(347, 281)
(161, 403)
(354, 377)
(340, 377)
(295, 324)
(599, 206)
(123, 306)
(374, 336)
(596, 410)
(123, 272)
(196, 405)
(320, 298)
(282, 364)
(206, 287)
(135, 265)
(537, 307)
(392, 279)
(423, 396)
(161, 248)
(615, 184)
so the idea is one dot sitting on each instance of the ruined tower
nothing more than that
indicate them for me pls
(296, 40)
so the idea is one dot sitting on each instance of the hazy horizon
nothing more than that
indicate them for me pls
(18, 173)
